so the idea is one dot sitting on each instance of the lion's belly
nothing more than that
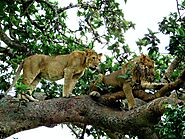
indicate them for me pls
(52, 77)
(53, 72)
(113, 79)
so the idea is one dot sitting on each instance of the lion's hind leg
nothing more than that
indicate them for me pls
(67, 88)
(31, 79)
(32, 87)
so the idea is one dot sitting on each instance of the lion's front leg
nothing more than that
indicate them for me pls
(69, 83)
(127, 88)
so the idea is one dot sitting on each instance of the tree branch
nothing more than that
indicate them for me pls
(170, 70)
(67, 7)
(6, 52)
(84, 5)
(82, 109)
(10, 43)
(164, 88)
(171, 86)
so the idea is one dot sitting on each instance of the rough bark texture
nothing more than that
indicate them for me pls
(82, 109)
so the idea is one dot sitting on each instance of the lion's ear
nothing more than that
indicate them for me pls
(143, 57)
(100, 55)
(89, 52)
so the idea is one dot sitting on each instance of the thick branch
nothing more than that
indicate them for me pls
(171, 69)
(171, 86)
(83, 109)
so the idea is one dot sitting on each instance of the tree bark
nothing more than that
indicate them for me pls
(170, 70)
(81, 109)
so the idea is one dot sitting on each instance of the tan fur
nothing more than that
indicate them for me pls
(70, 67)
(140, 69)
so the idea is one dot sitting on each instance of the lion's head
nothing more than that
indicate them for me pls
(140, 69)
(92, 59)
(147, 68)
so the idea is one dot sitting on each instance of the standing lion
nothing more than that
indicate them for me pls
(70, 67)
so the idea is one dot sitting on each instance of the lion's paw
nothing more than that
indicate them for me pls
(67, 95)
(95, 94)
(26, 97)
(31, 98)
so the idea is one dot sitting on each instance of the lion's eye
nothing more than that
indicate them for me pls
(93, 58)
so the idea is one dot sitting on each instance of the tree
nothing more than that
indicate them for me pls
(39, 26)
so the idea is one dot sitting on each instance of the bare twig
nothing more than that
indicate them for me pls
(83, 132)
(15, 78)
(178, 10)
(74, 132)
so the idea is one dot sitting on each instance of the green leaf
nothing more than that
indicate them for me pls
(181, 31)
(183, 3)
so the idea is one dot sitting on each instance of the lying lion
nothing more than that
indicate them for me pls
(70, 67)
(137, 71)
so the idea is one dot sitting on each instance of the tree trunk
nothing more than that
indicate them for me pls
(81, 109)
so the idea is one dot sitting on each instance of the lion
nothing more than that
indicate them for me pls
(70, 67)
(138, 71)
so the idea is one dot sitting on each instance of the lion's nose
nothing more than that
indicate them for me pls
(92, 68)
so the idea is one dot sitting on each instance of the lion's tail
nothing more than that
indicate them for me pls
(15, 78)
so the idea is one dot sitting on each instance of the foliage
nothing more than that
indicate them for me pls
(40, 27)
(149, 39)
(172, 124)
(51, 90)
(174, 26)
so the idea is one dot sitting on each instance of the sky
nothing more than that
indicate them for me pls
(145, 14)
